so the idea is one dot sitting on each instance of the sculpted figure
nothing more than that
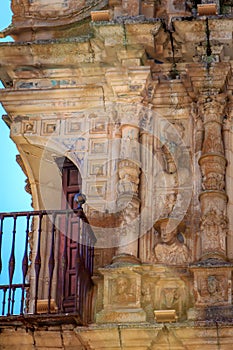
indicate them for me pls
(169, 249)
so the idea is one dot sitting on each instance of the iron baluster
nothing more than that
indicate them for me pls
(77, 266)
(38, 261)
(51, 261)
(64, 262)
(25, 263)
(13, 300)
(11, 265)
(4, 300)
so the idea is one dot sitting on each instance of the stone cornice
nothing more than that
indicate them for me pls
(51, 100)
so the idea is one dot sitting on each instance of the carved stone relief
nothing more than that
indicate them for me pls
(130, 146)
(97, 167)
(29, 127)
(172, 295)
(74, 126)
(129, 214)
(122, 295)
(170, 248)
(49, 127)
(166, 293)
(129, 177)
(98, 125)
(212, 287)
(122, 291)
(214, 225)
(98, 146)
(213, 172)
(97, 189)
(148, 300)
(173, 186)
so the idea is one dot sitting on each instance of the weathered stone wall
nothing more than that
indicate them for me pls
(128, 337)
(142, 106)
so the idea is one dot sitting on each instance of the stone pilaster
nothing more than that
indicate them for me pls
(128, 199)
(146, 183)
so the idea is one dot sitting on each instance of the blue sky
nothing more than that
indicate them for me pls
(12, 194)
(12, 182)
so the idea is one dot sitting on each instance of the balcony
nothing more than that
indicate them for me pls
(46, 265)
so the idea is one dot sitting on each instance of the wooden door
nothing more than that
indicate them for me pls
(67, 284)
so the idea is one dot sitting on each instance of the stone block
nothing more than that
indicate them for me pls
(76, 347)
(106, 338)
(70, 339)
(48, 339)
(16, 347)
(13, 338)
(138, 338)
(121, 316)
(49, 347)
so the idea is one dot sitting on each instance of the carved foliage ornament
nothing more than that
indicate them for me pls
(212, 108)
(213, 172)
(213, 142)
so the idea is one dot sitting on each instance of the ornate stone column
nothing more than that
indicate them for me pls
(212, 274)
(228, 146)
(128, 199)
(213, 199)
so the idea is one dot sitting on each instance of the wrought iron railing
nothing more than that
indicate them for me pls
(38, 250)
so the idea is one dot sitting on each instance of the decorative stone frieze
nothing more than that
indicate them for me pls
(135, 290)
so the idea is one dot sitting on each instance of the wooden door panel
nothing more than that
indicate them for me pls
(73, 177)
(71, 183)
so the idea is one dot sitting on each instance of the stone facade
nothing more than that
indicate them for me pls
(141, 104)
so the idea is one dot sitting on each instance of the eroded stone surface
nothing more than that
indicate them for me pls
(137, 104)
